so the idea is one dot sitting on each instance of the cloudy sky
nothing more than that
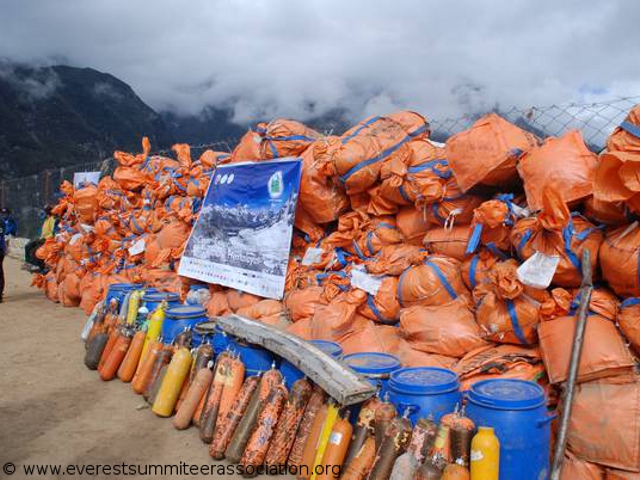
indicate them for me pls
(300, 58)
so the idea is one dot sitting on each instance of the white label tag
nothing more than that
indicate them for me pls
(476, 455)
(364, 281)
(519, 211)
(335, 438)
(312, 255)
(137, 247)
(538, 270)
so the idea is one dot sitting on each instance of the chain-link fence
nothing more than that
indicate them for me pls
(26, 196)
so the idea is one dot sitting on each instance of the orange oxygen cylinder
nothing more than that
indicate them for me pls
(113, 338)
(310, 447)
(209, 414)
(233, 384)
(130, 363)
(455, 471)
(385, 413)
(197, 390)
(485, 455)
(302, 435)
(362, 461)
(157, 370)
(170, 389)
(140, 379)
(363, 429)
(116, 356)
(336, 450)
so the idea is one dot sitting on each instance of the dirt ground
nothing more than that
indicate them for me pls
(53, 410)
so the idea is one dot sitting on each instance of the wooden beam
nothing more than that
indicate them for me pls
(340, 382)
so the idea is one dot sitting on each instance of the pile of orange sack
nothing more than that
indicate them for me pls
(440, 233)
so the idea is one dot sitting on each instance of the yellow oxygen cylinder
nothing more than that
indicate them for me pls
(155, 326)
(485, 455)
(134, 304)
(176, 375)
(330, 421)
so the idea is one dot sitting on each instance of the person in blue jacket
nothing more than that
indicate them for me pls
(8, 226)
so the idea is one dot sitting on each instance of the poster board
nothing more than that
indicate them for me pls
(242, 237)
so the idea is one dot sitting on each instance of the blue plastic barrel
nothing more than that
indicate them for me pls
(152, 300)
(220, 342)
(424, 391)
(516, 409)
(255, 358)
(118, 291)
(177, 319)
(291, 373)
(376, 367)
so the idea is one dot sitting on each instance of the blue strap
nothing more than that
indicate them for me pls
(445, 283)
(383, 155)
(514, 322)
(436, 213)
(567, 235)
(372, 305)
(473, 266)
(274, 150)
(432, 165)
(492, 247)
(630, 302)
(630, 128)
(525, 238)
(403, 194)
(386, 225)
(360, 128)
(369, 244)
(474, 240)
(290, 138)
(341, 256)
(359, 252)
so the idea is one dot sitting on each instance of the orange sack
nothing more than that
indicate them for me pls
(363, 148)
(448, 329)
(435, 281)
(629, 321)
(573, 469)
(453, 207)
(566, 161)
(450, 242)
(619, 260)
(604, 353)
(412, 224)
(383, 307)
(506, 310)
(487, 152)
(395, 259)
(285, 138)
(626, 137)
(475, 270)
(557, 232)
(86, 203)
(604, 426)
(302, 303)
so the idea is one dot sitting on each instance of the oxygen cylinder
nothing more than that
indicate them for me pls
(422, 438)
(113, 338)
(302, 435)
(141, 378)
(95, 346)
(115, 358)
(152, 393)
(384, 414)
(204, 354)
(364, 427)
(428, 471)
(325, 433)
(233, 381)
(485, 455)
(241, 436)
(177, 373)
(336, 450)
(404, 467)
(211, 406)
(441, 445)
(395, 441)
(362, 462)
(183, 339)
(164, 355)
(310, 447)
(154, 326)
(460, 438)
(225, 431)
(197, 390)
(455, 471)
(130, 363)
(289, 422)
(132, 309)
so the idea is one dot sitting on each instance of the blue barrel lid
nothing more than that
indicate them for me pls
(424, 380)
(118, 287)
(196, 287)
(372, 363)
(160, 296)
(186, 311)
(507, 394)
(332, 349)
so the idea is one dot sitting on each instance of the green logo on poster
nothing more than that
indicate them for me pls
(275, 185)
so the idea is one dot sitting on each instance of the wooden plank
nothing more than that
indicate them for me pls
(340, 382)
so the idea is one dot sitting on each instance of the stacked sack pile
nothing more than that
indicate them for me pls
(409, 247)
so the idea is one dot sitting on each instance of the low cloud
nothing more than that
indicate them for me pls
(264, 58)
